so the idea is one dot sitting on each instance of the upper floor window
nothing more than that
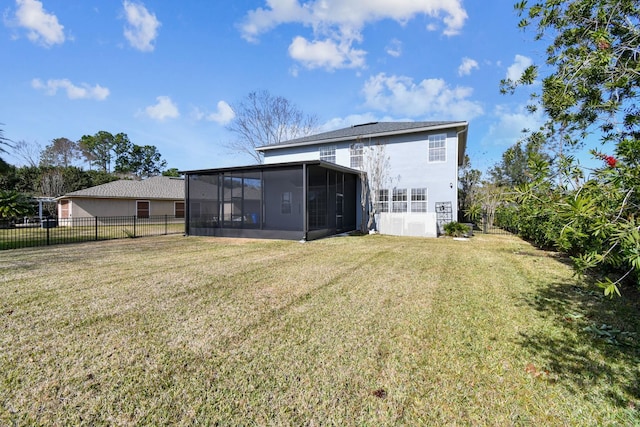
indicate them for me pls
(328, 153)
(418, 200)
(355, 152)
(399, 200)
(438, 148)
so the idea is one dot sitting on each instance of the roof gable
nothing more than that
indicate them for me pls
(157, 187)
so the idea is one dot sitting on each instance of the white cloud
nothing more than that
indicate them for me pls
(509, 124)
(394, 48)
(325, 54)
(163, 109)
(142, 28)
(431, 98)
(353, 119)
(83, 91)
(338, 24)
(467, 66)
(223, 115)
(515, 70)
(43, 28)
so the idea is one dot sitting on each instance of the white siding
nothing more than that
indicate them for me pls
(409, 168)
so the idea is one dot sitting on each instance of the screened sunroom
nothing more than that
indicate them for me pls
(297, 201)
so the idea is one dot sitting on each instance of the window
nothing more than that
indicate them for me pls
(142, 209)
(355, 152)
(399, 200)
(383, 200)
(328, 153)
(179, 209)
(285, 203)
(64, 209)
(438, 148)
(418, 200)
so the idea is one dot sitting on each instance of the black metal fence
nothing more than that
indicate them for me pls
(53, 231)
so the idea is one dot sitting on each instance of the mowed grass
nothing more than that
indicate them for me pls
(369, 330)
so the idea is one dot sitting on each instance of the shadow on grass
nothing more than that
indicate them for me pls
(593, 347)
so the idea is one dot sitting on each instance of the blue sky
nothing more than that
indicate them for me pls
(166, 73)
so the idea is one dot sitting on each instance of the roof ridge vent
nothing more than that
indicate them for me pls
(365, 124)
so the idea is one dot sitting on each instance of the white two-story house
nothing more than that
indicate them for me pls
(313, 186)
(419, 187)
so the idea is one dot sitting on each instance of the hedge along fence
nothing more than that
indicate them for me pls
(51, 231)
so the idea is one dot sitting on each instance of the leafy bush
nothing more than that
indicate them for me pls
(456, 229)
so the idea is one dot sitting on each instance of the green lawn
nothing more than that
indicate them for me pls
(369, 330)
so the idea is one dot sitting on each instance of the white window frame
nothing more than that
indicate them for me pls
(382, 204)
(328, 153)
(399, 200)
(438, 148)
(356, 155)
(419, 200)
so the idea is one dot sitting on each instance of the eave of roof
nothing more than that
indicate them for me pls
(369, 130)
(262, 166)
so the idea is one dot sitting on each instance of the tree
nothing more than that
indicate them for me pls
(374, 177)
(592, 86)
(61, 152)
(4, 142)
(469, 185)
(514, 168)
(263, 119)
(29, 152)
(103, 148)
(143, 161)
(173, 172)
(13, 204)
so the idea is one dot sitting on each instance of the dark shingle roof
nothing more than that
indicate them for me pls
(157, 187)
(364, 130)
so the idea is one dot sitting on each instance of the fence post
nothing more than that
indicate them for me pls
(46, 224)
(165, 224)
(134, 226)
(96, 227)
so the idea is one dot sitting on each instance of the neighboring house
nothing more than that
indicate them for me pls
(311, 187)
(159, 195)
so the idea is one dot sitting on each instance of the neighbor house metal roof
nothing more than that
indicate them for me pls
(374, 129)
(157, 187)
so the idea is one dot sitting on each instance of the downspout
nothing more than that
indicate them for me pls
(456, 174)
(186, 205)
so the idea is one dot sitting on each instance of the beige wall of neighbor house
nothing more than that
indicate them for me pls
(68, 209)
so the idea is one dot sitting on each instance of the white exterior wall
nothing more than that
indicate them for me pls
(409, 168)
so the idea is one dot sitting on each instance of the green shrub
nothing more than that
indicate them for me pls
(456, 229)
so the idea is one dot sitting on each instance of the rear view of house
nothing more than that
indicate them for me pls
(417, 191)
(313, 186)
